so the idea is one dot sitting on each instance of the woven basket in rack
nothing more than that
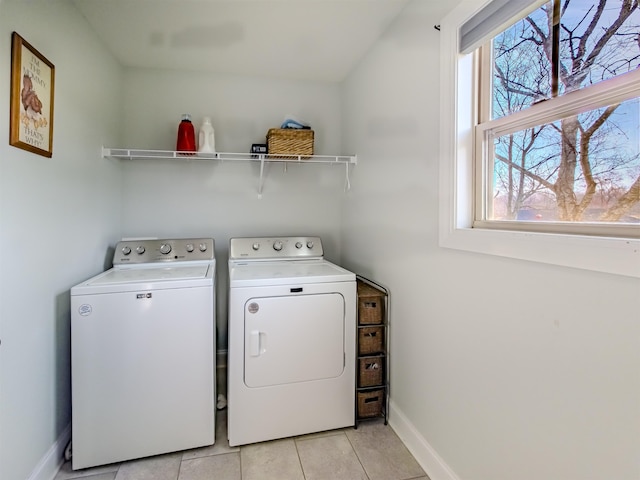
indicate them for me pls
(290, 142)
(370, 371)
(370, 305)
(370, 403)
(370, 340)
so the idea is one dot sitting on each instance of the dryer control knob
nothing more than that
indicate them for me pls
(309, 244)
(140, 250)
(126, 250)
(277, 245)
(298, 245)
(203, 247)
(165, 248)
(189, 247)
(255, 246)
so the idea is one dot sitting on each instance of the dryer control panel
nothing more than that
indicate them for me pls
(166, 250)
(275, 248)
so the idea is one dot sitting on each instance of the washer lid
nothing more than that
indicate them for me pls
(253, 274)
(129, 279)
(136, 275)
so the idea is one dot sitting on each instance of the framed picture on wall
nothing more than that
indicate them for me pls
(32, 87)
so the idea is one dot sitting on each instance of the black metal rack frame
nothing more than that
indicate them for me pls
(386, 385)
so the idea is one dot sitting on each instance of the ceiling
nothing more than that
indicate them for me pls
(291, 39)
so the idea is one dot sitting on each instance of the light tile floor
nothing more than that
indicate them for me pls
(371, 452)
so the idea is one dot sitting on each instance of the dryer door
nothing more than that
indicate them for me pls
(293, 339)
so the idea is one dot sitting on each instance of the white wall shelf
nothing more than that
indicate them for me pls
(132, 154)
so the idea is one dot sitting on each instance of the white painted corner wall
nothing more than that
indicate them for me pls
(58, 217)
(500, 368)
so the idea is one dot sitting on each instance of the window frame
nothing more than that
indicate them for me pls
(458, 187)
(615, 90)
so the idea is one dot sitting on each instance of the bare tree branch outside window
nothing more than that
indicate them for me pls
(581, 168)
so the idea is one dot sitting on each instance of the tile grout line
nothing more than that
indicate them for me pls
(295, 444)
(180, 465)
(357, 456)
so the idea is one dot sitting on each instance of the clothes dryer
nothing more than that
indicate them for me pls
(292, 323)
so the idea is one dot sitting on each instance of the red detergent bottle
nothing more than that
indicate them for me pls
(186, 135)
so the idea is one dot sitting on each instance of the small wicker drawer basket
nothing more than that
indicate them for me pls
(370, 403)
(290, 142)
(371, 371)
(370, 305)
(370, 340)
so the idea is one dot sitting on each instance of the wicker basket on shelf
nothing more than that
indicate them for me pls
(290, 142)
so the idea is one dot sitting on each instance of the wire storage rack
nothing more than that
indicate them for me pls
(372, 351)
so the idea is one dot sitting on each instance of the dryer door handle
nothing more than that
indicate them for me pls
(254, 343)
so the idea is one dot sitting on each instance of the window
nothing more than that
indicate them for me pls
(540, 147)
(572, 170)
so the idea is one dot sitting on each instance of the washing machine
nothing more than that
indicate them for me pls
(292, 324)
(143, 353)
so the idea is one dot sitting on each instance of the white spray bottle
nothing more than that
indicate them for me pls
(206, 139)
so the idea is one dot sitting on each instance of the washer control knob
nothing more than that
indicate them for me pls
(203, 247)
(165, 248)
(277, 245)
(309, 244)
(255, 246)
(126, 250)
(140, 250)
(298, 245)
(189, 247)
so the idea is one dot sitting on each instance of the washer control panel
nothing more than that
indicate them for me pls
(167, 250)
(272, 248)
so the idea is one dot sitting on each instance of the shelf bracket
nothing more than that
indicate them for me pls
(347, 182)
(261, 184)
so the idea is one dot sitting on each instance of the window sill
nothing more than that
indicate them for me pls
(619, 256)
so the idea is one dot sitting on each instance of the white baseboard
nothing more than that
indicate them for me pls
(51, 462)
(427, 457)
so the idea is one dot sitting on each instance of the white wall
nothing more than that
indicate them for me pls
(57, 218)
(178, 198)
(503, 369)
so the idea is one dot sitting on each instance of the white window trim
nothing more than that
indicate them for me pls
(619, 256)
